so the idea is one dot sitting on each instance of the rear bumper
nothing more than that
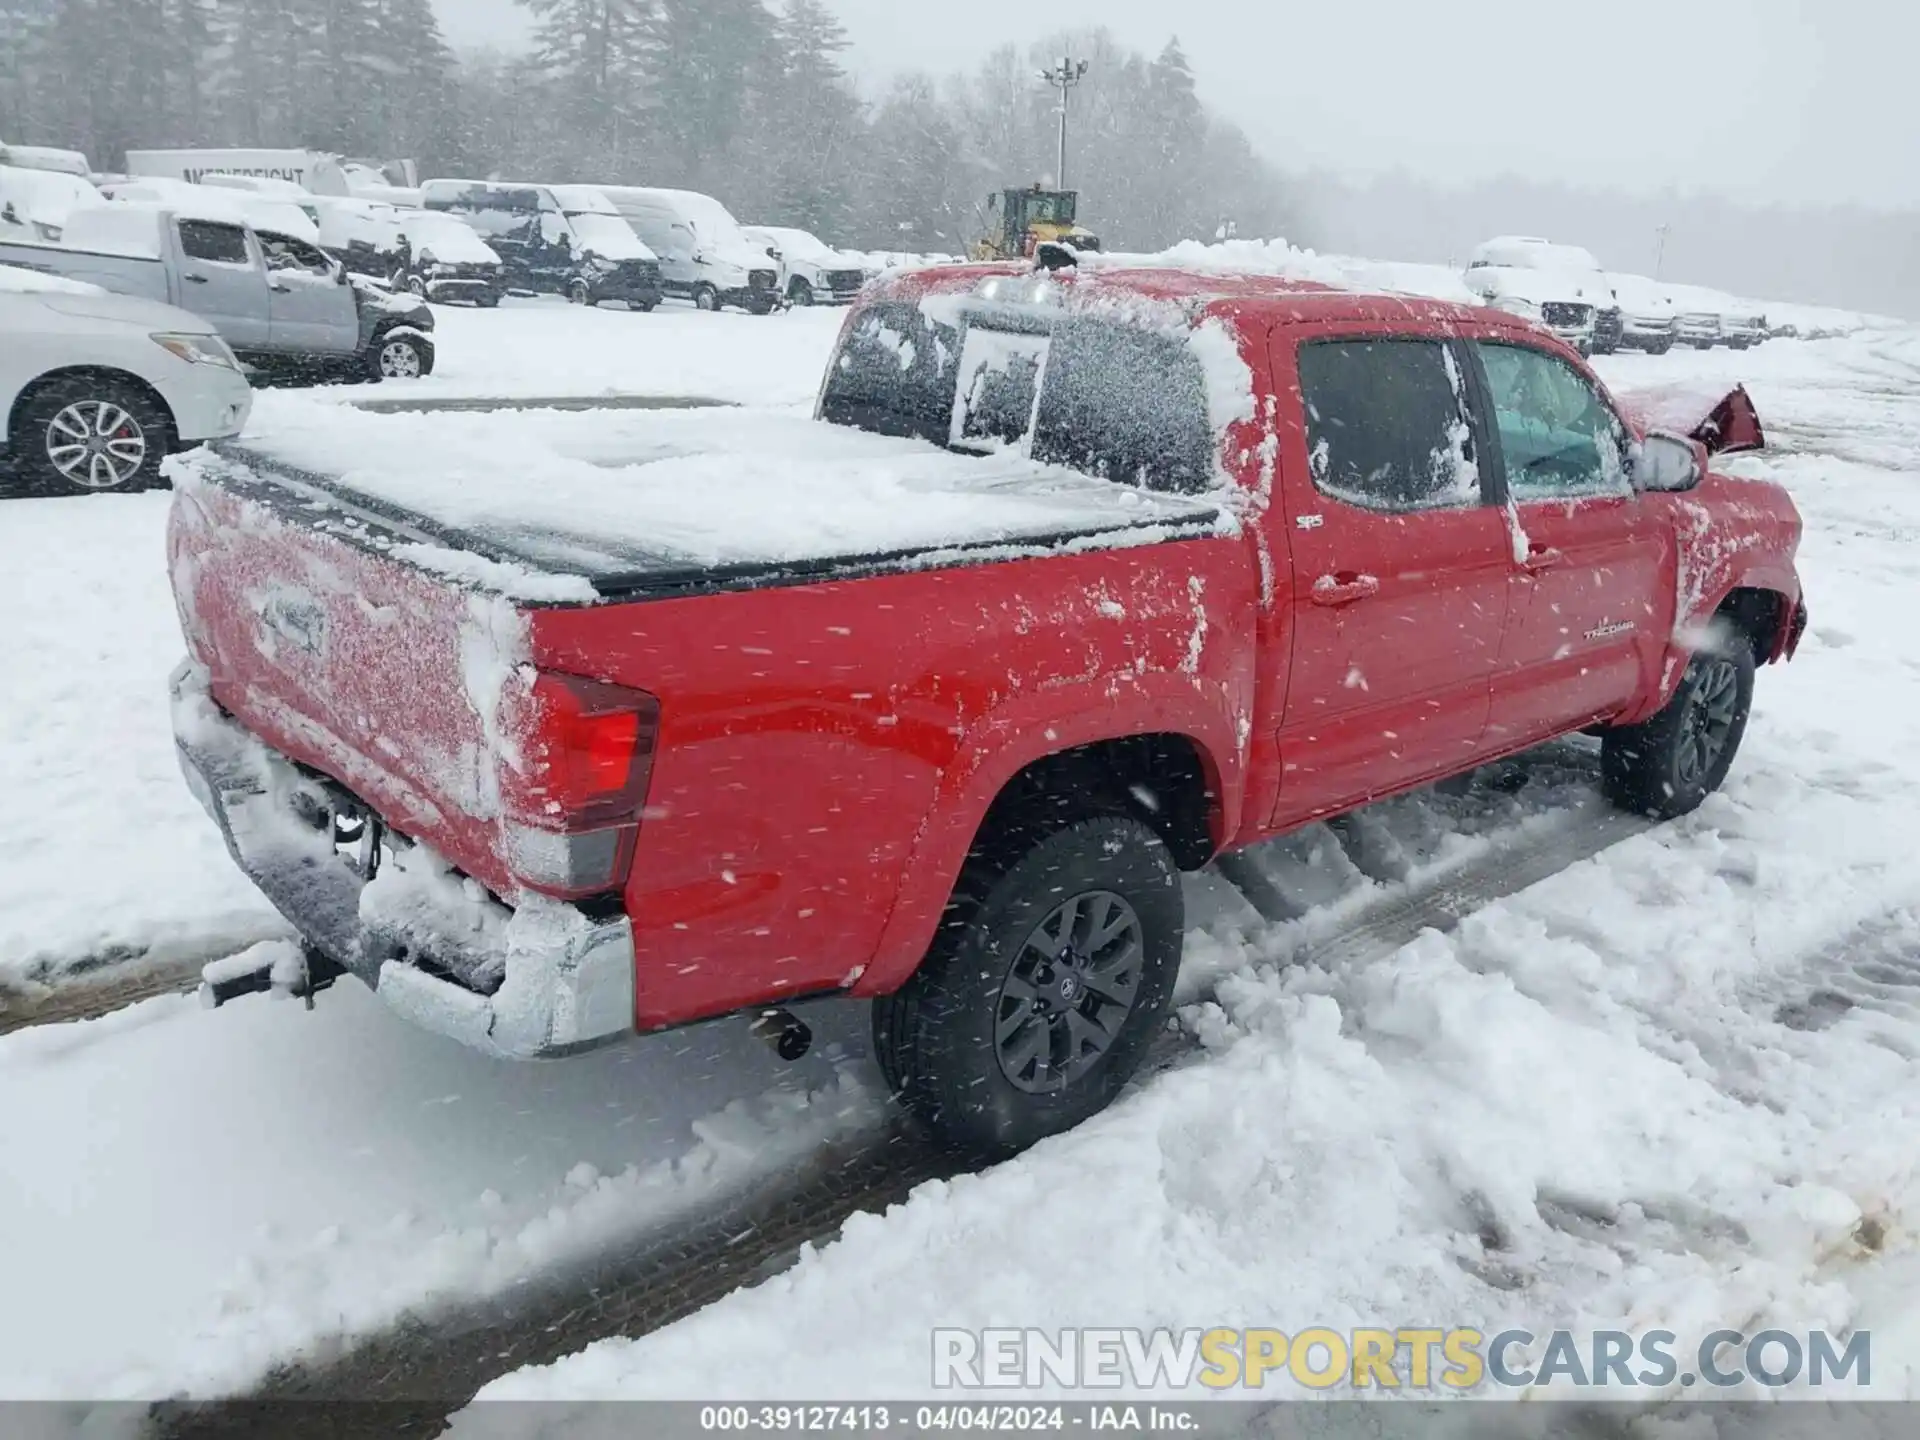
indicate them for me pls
(550, 980)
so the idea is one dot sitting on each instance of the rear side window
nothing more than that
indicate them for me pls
(1125, 404)
(1387, 426)
(895, 375)
(1089, 394)
(221, 244)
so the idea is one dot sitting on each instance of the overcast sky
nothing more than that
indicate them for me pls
(1810, 102)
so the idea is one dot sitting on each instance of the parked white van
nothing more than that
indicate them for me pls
(704, 254)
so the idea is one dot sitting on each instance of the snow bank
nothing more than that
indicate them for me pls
(107, 854)
(1282, 260)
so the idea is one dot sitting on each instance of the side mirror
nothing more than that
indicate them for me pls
(1665, 464)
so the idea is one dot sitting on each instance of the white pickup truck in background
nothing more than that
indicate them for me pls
(285, 307)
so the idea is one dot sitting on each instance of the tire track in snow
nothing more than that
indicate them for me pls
(416, 1374)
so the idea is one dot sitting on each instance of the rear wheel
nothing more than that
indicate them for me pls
(1052, 969)
(417, 286)
(86, 435)
(705, 297)
(800, 292)
(578, 293)
(1667, 765)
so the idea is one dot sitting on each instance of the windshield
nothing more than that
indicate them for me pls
(1050, 208)
(608, 236)
(1091, 394)
(449, 239)
(799, 245)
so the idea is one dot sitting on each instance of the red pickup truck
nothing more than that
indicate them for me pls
(554, 728)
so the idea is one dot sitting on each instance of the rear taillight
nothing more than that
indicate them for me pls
(576, 810)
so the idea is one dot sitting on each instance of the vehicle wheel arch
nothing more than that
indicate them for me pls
(1007, 758)
(1761, 613)
(92, 372)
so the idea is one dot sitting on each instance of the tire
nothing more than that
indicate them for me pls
(387, 358)
(645, 307)
(800, 292)
(416, 287)
(87, 435)
(705, 297)
(1665, 766)
(1660, 347)
(578, 293)
(488, 301)
(980, 1043)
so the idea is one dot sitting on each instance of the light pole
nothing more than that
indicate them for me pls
(1660, 250)
(1063, 77)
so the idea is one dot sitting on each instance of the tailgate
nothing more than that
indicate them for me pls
(388, 679)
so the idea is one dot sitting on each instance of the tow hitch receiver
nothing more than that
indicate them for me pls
(265, 969)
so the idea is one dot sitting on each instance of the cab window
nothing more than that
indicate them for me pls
(1560, 440)
(283, 253)
(219, 244)
(1387, 427)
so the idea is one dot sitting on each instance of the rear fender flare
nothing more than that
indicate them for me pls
(1015, 735)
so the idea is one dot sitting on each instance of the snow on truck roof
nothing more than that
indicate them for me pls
(556, 506)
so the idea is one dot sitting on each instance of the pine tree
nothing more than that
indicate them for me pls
(711, 58)
(810, 121)
(594, 55)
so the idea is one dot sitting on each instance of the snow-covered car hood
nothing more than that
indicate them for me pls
(374, 296)
(19, 280)
(1725, 421)
(1539, 286)
(739, 257)
(152, 314)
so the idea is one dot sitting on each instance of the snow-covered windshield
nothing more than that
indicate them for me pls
(1089, 393)
(609, 237)
(450, 239)
(799, 245)
(715, 226)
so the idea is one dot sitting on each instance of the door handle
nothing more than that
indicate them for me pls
(1542, 557)
(196, 279)
(279, 288)
(1344, 589)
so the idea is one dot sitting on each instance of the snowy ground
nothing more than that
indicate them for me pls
(1708, 1038)
(549, 348)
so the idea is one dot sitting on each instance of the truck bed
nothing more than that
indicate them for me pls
(568, 508)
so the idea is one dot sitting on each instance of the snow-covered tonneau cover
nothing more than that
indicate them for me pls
(564, 508)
